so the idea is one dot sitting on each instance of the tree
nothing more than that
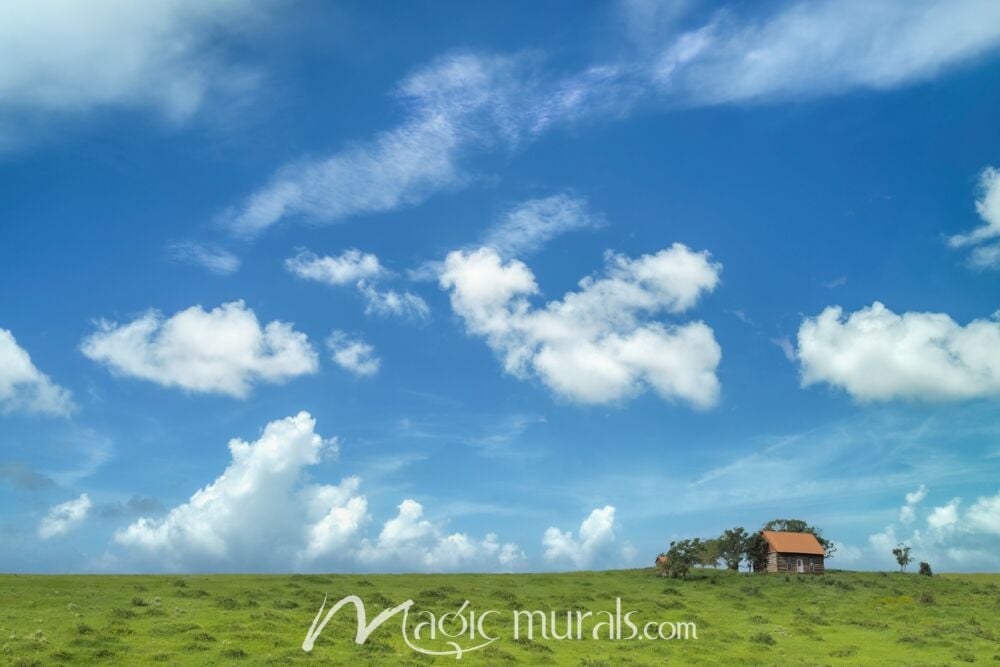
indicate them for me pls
(925, 569)
(902, 554)
(800, 526)
(681, 557)
(755, 552)
(708, 555)
(732, 546)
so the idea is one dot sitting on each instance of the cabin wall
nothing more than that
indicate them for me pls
(787, 563)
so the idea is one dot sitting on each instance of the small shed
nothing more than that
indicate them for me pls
(794, 553)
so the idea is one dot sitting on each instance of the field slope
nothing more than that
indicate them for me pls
(842, 618)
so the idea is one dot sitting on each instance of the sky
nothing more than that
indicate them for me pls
(366, 287)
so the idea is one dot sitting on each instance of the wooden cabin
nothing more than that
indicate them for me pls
(794, 553)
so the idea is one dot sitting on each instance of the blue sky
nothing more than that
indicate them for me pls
(316, 286)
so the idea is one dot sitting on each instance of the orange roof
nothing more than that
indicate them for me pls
(793, 543)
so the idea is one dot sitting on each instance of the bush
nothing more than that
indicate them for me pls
(925, 569)
(764, 638)
(926, 598)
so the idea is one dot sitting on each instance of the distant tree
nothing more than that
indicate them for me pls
(681, 557)
(925, 569)
(902, 554)
(755, 552)
(800, 526)
(708, 554)
(732, 546)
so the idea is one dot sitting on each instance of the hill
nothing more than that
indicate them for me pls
(840, 618)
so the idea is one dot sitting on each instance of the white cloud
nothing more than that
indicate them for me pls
(472, 101)
(451, 104)
(985, 255)
(352, 354)
(215, 260)
(61, 57)
(876, 355)
(594, 346)
(848, 554)
(410, 542)
(261, 514)
(255, 511)
(531, 224)
(24, 388)
(592, 547)
(223, 351)
(984, 515)
(953, 539)
(915, 497)
(385, 303)
(363, 270)
(809, 49)
(64, 517)
(907, 513)
(350, 266)
(944, 517)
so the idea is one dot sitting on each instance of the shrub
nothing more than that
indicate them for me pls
(925, 569)
(926, 598)
(764, 638)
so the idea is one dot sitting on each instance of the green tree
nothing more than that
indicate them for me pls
(708, 555)
(800, 526)
(755, 552)
(902, 554)
(681, 557)
(925, 569)
(732, 546)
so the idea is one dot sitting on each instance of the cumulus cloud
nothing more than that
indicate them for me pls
(945, 516)
(984, 515)
(24, 388)
(60, 57)
(352, 354)
(907, 513)
(64, 517)
(261, 513)
(364, 271)
(211, 258)
(350, 266)
(593, 545)
(985, 253)
(223, 351)
(952, 538)
(876, 355)
(596, 345)
(531, 224)
(410, 542)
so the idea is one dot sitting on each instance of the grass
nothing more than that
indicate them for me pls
(844, 618)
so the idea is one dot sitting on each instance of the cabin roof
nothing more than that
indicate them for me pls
(793, 543)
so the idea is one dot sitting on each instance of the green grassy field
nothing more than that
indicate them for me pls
(841, 618)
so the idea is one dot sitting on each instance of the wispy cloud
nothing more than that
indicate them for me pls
(531, 224)
(985, 252)
(465, 102)
(212, 258)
